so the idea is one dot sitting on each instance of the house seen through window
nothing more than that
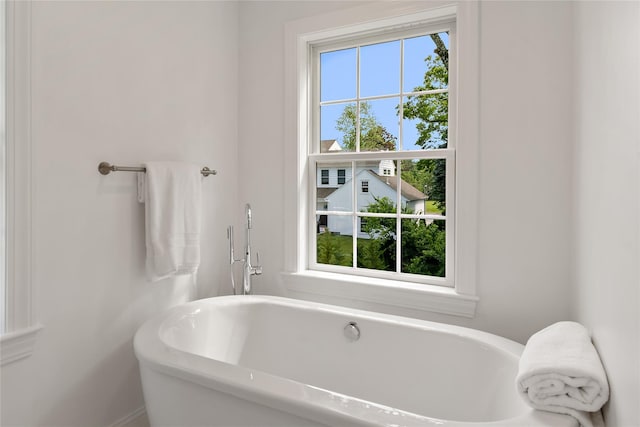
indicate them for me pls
(381, 109)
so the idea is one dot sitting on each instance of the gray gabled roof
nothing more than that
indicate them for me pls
(410, 192)
(324, 192)
(326, 144)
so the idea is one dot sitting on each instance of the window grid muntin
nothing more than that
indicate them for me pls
(447, 154)
(448, 26)
(314, 155)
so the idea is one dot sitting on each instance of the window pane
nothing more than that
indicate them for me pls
(426, 62)
(374, 186)
(337, 124)
(424, 186)
(380, 69)
(426, 122)
(334, 240)
(379, 125)
(338, 75)
(423, 247)
(377, 243)
(330, 194)
(377, 236)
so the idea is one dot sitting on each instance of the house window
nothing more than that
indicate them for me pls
(324, 176)
(364, 186)
(341, 176)
(363, 225)
(382, 87)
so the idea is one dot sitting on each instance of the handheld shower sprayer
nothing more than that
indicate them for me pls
(248, 269)
(247, 211)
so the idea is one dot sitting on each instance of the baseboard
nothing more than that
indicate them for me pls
(137, 418)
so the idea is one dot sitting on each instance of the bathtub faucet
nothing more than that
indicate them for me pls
(248, 270)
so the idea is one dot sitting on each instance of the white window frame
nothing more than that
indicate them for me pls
(22, 328)
(318, 159)
(298, 277)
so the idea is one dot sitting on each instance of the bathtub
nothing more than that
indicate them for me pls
(270, 361)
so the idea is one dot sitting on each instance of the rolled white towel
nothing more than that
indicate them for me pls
(560, 371)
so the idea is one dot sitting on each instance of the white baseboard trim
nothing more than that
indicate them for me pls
(129, 420)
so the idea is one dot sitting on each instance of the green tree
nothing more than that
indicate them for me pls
(373, 136)
(380, 251)
(329, 251)
(432, 113)
(432, 110)
(423, 245)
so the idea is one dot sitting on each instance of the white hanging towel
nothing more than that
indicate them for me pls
(173, 203)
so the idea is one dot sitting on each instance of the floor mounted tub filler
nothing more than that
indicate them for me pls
(270, 361)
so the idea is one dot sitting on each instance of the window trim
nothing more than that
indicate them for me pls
(22, 328)
(297, 277)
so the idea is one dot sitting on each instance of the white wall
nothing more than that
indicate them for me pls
(130, 81)
(607, 254)
(122, 82)
(525, 157)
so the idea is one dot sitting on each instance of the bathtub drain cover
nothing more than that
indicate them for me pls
(351, 331)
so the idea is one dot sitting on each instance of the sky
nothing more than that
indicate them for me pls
(379, 75)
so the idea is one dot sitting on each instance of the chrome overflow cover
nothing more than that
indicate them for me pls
(351, 331)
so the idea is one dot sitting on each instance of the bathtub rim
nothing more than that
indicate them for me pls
(303, 400)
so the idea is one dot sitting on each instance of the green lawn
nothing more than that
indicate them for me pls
(432, 208)
(344, 245)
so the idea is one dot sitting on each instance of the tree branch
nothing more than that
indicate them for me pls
(441, 49)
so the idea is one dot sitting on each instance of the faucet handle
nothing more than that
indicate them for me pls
(258, 268)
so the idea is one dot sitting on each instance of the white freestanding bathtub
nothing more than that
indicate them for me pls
(270, 361)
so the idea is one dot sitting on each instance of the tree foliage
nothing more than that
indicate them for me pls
(432, 110)
(329, 250)
(432, 113)
(423, 245)
(380, 252)
(373, 136)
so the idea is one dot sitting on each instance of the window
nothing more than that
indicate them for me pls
(384, 101)
(341, 176)
(381, 83)
(325, 176)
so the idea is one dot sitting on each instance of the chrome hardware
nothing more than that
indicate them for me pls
(352, 331)
(232, 258)
(248, 270)
(105, 168)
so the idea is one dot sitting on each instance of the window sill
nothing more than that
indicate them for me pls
(430, 298)
(18, 345)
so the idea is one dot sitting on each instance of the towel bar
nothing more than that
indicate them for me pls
(105, 168)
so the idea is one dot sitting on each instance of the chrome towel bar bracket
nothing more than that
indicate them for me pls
(105, 168)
